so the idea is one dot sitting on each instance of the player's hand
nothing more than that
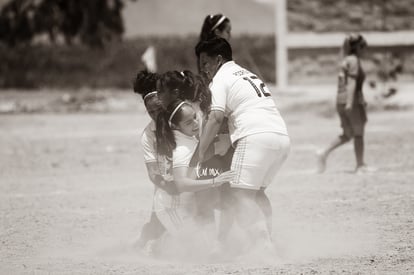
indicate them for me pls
(225, 177)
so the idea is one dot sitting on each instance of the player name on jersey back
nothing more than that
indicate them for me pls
(246, 101)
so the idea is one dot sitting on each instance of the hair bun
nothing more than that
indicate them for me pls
(145, 82)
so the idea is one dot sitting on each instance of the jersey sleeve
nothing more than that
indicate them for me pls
(350, 66)
(218, 95)
(148, 146)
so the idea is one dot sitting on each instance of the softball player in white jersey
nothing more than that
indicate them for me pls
(256, 127)
(158, 170)
(174, 210)
(176, 133)
(257, 130)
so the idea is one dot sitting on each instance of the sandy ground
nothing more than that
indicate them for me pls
(74, 195)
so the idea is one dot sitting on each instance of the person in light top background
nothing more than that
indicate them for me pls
(216, 25)
(350, 104)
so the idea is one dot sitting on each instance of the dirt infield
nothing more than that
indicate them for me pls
(74, 195)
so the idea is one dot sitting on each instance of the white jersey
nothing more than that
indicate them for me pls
(161, 200)
(246, 101)
(185, 149)
(149, 145)
(148, 142)
(181, 157)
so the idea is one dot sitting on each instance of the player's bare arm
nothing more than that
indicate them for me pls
(187, 184)
(215, 119)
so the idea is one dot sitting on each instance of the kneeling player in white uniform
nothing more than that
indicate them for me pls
(176, 135)
(158, 171)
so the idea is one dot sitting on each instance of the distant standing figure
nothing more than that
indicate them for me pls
(350, 103)
(216, 25)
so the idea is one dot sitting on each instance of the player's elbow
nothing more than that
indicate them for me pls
(217, 117)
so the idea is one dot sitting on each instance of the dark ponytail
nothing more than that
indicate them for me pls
(195, 89)
(164, 134)
(189, 85)
(181, 82)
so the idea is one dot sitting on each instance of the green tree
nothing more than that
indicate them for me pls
(91, 22)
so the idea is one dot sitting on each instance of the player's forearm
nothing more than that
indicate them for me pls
(192, 185)
(159, 180)
(168, 186)
(153, 175)
(209, 133)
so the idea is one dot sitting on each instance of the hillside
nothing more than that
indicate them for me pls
(183, 17)
(350, 15)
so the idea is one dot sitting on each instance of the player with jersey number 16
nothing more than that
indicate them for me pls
(257, 131)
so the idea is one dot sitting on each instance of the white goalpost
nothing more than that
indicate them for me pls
(281, 55)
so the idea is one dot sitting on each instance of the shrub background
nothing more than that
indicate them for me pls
(115, 66)
(61, 66)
